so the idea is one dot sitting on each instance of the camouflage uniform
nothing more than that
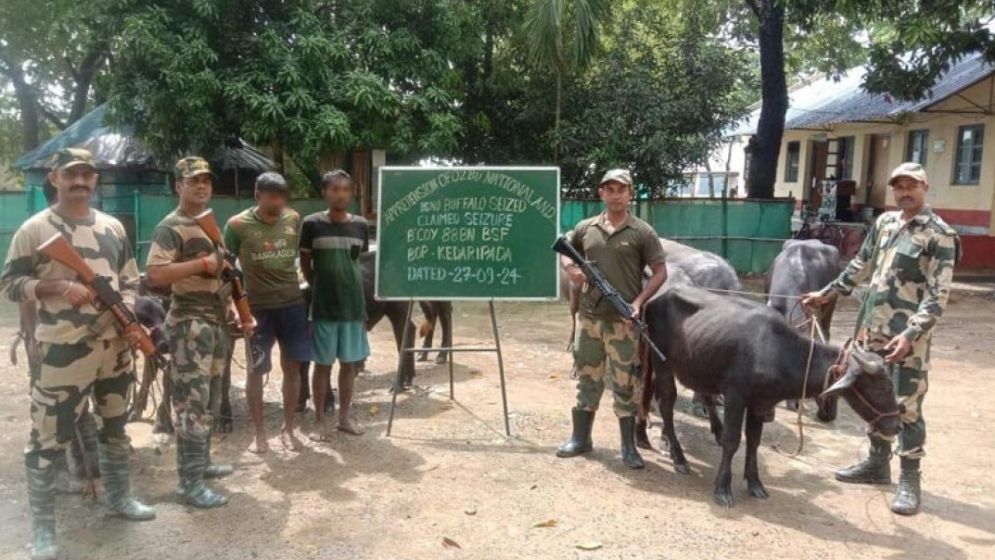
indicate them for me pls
(198, 333)
(81, 351)
(605, 345)
(910, 268)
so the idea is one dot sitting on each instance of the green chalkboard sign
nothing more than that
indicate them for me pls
(463, 233)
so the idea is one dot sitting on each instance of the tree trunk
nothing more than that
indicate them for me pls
(556, 122)
(27, 104)
(84, 80)
(770, 128)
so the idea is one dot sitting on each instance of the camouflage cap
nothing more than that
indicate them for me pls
(192, 166)
(618, 175)
(909, 169)
(70, 157)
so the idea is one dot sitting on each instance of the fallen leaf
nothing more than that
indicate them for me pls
(450, 543)
(590, 545)
(554, 376)
(548, 524)
(470, 511)
(374, 409)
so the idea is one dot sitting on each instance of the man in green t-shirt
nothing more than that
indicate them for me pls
(605, 350)
(265, 240)
(331, 242)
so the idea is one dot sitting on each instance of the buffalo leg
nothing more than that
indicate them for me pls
(699, 405)
(427, 329)
(142, 396)
(397, 314)
(754, 429)
(731, 436)
(445, 314)
(827, 409)
(666, 398)
(164, 412)
(224, 418)
(714, 422)
(642, 435)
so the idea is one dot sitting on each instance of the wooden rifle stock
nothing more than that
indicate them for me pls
(207, 223)
(61, 251)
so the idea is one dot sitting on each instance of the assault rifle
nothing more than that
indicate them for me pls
(229, 273)
(61, 251)
(598, 281)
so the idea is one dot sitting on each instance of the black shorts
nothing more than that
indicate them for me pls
(286, 325)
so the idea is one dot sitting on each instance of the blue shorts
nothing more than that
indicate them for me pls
(342, 340)
(289, 326)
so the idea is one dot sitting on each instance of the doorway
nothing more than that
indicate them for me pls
(817, 174)
(877, 171)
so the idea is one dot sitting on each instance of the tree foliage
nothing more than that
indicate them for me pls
(51, 53)
(656, 103)
(306, 76)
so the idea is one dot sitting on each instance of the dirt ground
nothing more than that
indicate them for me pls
(448, 472)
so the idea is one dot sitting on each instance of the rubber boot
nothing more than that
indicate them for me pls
(191, 461)
(41, 497)
(580, 441)
(214, 470)
(875, 469)
(117, 481)
(908, 497)
(630, 455)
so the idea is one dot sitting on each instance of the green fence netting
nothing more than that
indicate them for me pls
(747, 233)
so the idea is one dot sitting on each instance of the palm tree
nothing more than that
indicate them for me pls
(563, 49)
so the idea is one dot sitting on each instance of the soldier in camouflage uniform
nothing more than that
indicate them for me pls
(82, 352)
(606, 345)
(183, 257)
(908, 258)
(80, 462)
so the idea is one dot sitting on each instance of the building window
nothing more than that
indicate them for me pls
(967, 167)
(918, 146)
(844, 155)
(791, 164)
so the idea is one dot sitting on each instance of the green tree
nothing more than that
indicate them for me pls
(504, 111)
(656, 103)
(307, 77)
(51, 53)
(909, 44)
(560, 47)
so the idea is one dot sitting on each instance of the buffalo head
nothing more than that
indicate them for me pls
(867, 388)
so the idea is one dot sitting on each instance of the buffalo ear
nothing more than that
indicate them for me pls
(842, 384)
(868, 361)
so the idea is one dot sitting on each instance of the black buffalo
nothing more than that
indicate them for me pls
(801, 267)
(748, 354)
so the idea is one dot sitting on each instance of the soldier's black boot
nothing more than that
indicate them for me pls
(909, 494)
(191, 461)
(580, 441)
(875, 469)
(41, 497)
(630, 455)
(117, 481)
(215, 470)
